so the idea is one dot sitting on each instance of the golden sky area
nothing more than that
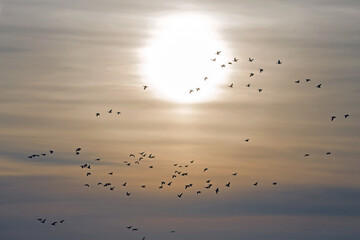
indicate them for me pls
(61, 62)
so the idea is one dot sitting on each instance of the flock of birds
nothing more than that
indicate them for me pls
(178, 171)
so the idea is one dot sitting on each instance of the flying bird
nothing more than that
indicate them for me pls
(306, 155)
(217, 190)
(218, 52)
(346, 115)
(256, 183)
(180, 195)
(248, 85)
(97, 114)
(252, 74)
(260, 90)
(205, 169)
(319, 86)
(279, 62)
(223, 65)
(308, 80)
(328, 153)
(62, 221)
(235, 59)
(190, 91)
(332, 118)
(251, 59)
(261, 70)
(231, 85)
(53, 223)
(274, 183)
(110, 111)
(298, 81)
(145, 87)
(214, 59)
(118, 113)
(234, 174)
(228, 184)
(205, 78)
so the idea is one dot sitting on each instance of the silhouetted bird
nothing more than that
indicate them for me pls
(112, 188)
(248, 85)
(217, 190)
(346, 115)
(190, 91)
(223, 65)
(261, 70)
(298, 81)
(128, 194)
(332, 118)
(306, 155)
(88, 174)
(97, 159)
(129, 227)
(234, 174)
(260, 90)
(205, 78)
(110, 173)
(251, 74)
(87, 185)
(110, 111)
(214, 59)
(197, 89)
(205, 169)
(251, 59)
(256, 183)
(198, 192)
(231, 85)
(97, 114)
(235, 59)
(328, 153)
(279, 62)
(247, 140)
(319, 86)
(124, 184)
(53, 223)
(274, 183)
(228, 184)
(118, 113)
(180, 195)
(308, 80)
(51, 151)
(218, 52)
(62, 221)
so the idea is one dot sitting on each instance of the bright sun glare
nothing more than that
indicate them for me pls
(177, 59)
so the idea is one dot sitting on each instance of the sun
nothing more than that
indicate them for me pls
(177, 59)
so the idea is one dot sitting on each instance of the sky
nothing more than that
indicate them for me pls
(61, 62)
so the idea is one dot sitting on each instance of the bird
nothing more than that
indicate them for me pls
(198, 192)
(218, 52)
(332, 118)
(87, 185)
(205, 169)
(53, 223)
(205, 78)
(40, 219)
(152, 156)
(251, 59)
(78, 149)
(190, 91)
(247, 140)
(328, 153)
(43, 221)
(111, 173)
(251, 74)
(51, 151)
(248, 85)
(260, 90)
(274, 183)
(319, 86)
(172, 231)
(209, 186)
(62, 221)
(298, 81)
(145, 87)
(97, 159)
(346, 115)
(129, 227)
(261, 70)
(124, 184)
(169, 183)
(118, 113)
(308, 80)
(192, 161)
(143, 238)
(217, 190)
(306, 155)
(135, 229)
(197, 89)
(231, 85)
(110, 111)
(230, 63)
(228, 184)
(235, 59)
(180, 195)
(234, 174)
(208, 181)
(97, 114)
(112, 188)
(99, 183)
(223, 65)
(256, 183)
(128, 194)
(88, 174)
(279, 62)
(213, 59)
(143, 186)
(151, 166)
